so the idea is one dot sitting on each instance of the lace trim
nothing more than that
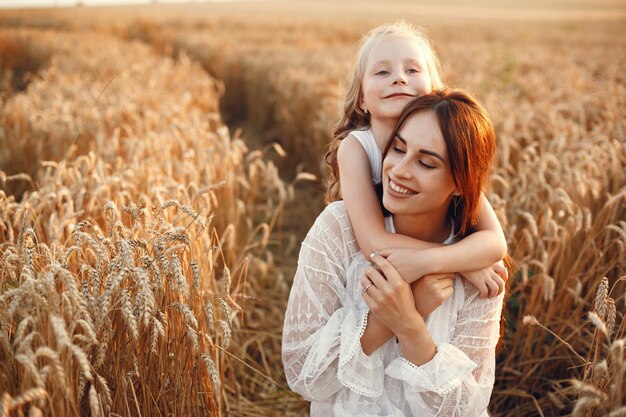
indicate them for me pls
(448, 367)
(364, 324)
(374, 359)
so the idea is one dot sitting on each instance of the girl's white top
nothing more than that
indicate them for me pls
(326, 316)
(366, 139)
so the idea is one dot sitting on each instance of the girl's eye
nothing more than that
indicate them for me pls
(412, 71)
(426, 165)
(382, 72)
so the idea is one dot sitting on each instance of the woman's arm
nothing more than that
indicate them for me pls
(461, 374)
(455, 378)
(321, 348)
(394, 312)
(429, 292)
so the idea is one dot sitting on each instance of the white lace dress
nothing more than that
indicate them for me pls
(326, 316)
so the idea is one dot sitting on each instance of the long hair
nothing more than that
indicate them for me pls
(353, 117)
(470, 143)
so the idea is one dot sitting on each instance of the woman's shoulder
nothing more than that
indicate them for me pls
(334, 215)
(473, 303)
(333, 225)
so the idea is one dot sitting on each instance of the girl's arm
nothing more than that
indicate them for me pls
(476, 252)
(362, 203)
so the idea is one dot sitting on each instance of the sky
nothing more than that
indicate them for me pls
(69, 3)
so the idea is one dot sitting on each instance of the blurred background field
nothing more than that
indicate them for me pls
(159, 166)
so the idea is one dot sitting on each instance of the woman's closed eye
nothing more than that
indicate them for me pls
(401, 151)
(425, 165)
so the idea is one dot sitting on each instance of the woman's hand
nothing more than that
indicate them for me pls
(489, 281)
(432, 291)
(391, 302)
(389, 298)
(411, 264)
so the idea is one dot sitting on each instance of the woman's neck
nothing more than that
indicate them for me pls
(381, 129)
(428, 227)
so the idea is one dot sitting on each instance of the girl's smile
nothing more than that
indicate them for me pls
(399, 95)
(396, 72)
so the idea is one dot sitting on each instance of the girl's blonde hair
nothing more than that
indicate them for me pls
(353, 116)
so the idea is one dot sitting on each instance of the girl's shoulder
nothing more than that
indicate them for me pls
(363, 135)
(360, 147)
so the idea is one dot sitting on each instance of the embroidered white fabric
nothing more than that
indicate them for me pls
(326, 316)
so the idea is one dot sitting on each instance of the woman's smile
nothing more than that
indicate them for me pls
(397, 190)
(418, 180)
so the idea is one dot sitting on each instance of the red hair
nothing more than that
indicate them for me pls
(470, 143)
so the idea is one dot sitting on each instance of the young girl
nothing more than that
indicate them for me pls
(394, 65)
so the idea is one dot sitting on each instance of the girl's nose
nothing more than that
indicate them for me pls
(400, 79)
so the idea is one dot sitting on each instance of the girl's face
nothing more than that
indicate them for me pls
(416, 171)
(395, 73)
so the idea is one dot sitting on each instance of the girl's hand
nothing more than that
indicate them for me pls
(431, 291)
(501, 270)
(409, 263)
(489, 281)
(389, 297)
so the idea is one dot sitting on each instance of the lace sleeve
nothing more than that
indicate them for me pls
(321, 347)
(458, 381)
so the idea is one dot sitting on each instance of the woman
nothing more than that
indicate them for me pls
(356, 340)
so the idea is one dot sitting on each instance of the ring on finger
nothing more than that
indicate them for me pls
(364, 289)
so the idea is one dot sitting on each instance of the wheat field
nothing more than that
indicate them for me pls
(160, 165)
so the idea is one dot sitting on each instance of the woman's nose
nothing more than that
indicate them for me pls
(402, 168)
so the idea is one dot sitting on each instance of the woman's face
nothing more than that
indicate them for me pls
(416, 171)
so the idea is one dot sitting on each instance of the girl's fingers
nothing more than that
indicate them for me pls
(496, 285)
(494, 288)
(483, 290)
(501, 283)
(501, 270)
(384, 252)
